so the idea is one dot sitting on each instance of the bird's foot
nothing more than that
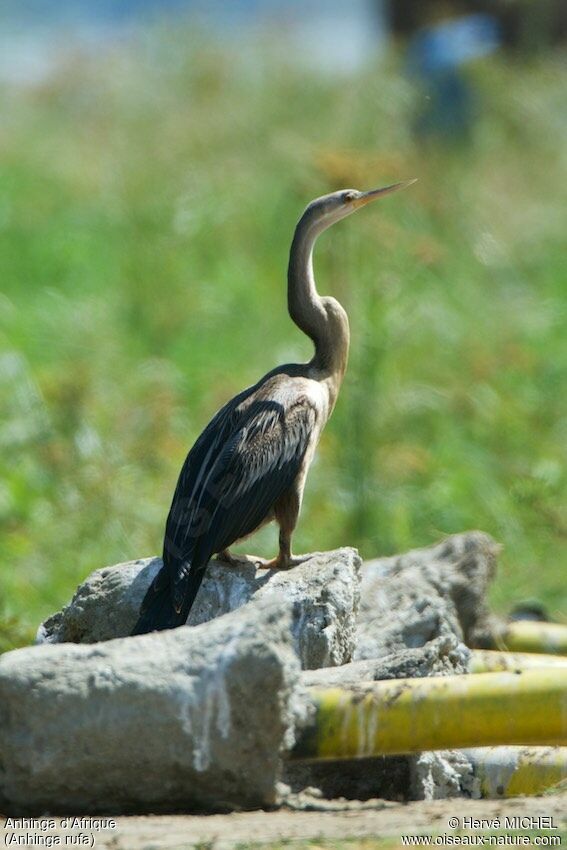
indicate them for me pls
(225, 557)
(281, 562)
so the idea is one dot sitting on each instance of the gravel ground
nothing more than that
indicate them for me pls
(359, 820)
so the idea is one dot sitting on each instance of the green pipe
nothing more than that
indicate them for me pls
(517, 771)
(410, 715)
(530, 636)
(490, 661)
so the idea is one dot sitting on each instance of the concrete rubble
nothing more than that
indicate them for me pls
(442, 775)
(426, 776)
(442, 656)
(192, 719)
(416, 611)
(324, 591)
(411, 599)
(201, 717)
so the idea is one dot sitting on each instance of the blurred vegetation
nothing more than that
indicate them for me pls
(147, 202)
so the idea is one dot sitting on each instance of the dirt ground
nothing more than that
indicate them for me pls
(375, 819)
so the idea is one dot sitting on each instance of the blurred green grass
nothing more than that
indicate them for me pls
(147, 202)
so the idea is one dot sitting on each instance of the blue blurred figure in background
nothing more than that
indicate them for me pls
(436, 56)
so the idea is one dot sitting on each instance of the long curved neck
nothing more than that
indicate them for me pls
(323, 320)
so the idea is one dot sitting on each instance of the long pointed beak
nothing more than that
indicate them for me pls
(374, 194)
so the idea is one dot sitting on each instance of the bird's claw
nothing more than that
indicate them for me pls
(230, 560)
(281, 562)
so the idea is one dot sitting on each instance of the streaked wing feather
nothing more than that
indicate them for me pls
(257, 456)
(197, 464)
(259, 469)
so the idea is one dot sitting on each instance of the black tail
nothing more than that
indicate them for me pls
(158, 611)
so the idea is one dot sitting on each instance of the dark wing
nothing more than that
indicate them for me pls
(232, 479)
(246, 458)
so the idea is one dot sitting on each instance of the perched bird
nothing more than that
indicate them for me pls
(249, 465)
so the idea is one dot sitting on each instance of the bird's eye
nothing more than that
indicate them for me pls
(349, 196)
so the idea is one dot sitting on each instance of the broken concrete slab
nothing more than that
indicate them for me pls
(324, 591)
(411, 599)
(441, 775)
(165, 721)
(443, 656)
(416, 610)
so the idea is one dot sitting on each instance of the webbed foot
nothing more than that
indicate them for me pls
(281, 562)
(225, 557)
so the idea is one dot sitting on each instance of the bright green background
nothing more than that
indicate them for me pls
(147, 201)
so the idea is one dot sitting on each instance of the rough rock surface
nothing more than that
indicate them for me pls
(443, 656)
(193, 718)
(324, 591)
(441, 775)
(198, 717)
(411, 599)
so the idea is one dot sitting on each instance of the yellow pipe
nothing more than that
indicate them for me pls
(517, 771)
(530, 636)
(411, 715)
(491, 661)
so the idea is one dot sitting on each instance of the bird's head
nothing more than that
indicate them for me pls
(325, 211)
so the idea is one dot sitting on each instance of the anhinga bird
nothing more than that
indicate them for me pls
(249, 465)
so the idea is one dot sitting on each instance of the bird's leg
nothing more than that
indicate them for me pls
(286, 512)
(284, 559)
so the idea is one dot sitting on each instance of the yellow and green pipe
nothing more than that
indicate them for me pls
(411, 715)
(493, 661)
(517, 771)
(530, 636)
